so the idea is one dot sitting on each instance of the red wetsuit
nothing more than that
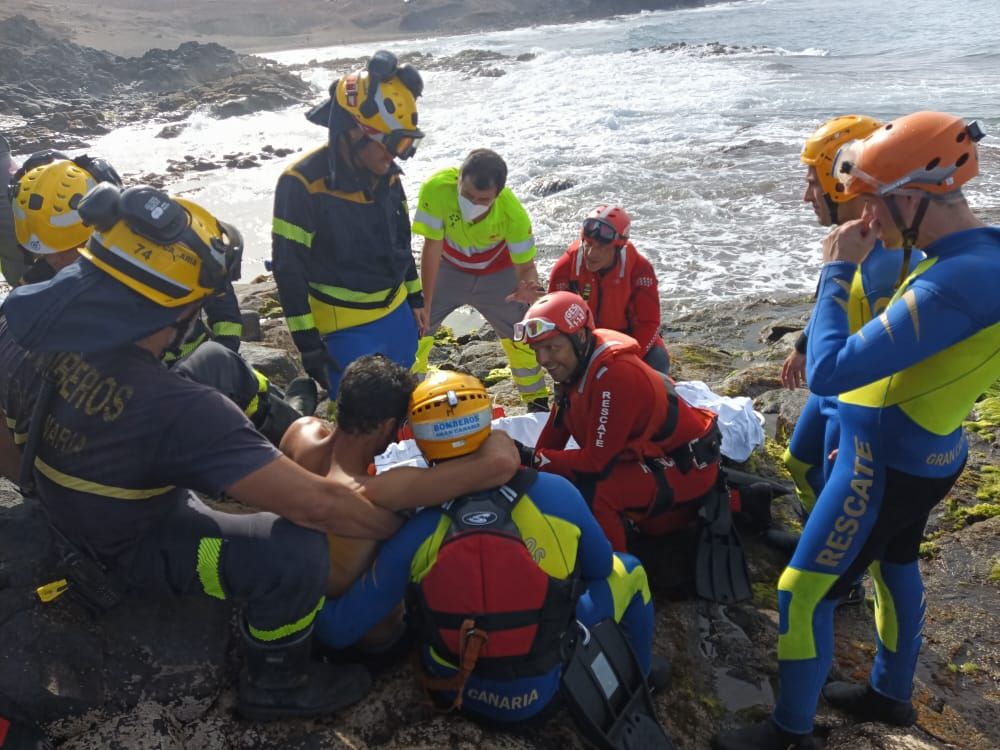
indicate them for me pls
(623, 297)
(628, 426)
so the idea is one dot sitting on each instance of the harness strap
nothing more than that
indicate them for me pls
(470, 645)
(493, 622)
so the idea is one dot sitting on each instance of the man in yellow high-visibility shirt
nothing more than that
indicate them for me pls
(479, 228)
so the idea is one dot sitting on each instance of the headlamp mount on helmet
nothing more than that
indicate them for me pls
(382, 66)
(155, 216)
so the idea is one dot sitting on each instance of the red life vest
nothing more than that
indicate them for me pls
(623, 297)
(485, 580)
(678, 442)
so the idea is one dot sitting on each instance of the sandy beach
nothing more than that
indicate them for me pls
(130, 27)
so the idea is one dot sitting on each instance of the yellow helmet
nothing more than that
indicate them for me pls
(44, 196)
(450, 415)
(171, 251)
(820, 149)
(382, 100)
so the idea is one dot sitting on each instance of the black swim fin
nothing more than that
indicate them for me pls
(605, 690)
(720, 571)
(737, 478)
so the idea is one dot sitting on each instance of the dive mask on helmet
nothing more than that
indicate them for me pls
(600, 231)
(399, 143)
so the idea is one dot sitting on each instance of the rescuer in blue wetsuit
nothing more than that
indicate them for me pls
(905, 382)
(561, 542)
(874, 282)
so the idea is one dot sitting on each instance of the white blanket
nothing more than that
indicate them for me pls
(741, 426)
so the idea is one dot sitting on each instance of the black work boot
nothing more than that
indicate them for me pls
(302, 395)
(854, 597)
(764, 735)
(864, 704)
(279, 414)
(660, 674)
(782, 539)
(281, 680)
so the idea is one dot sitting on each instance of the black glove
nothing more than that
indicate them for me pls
(315, 362)
(526, 453)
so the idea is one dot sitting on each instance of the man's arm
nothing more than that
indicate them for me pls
(344, 620)
(559, 276)
(914, 327)
(529, 288)
(430, 262)
(292, 235)
(644, 305)
(332, 504)
(493, 464)
(224, 318)
(618, 403)
(411, 279)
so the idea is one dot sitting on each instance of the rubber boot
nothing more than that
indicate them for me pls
(782, 539)
(302, 395)
(281, 414)
(765, 735)
(855, 596)
(660, 673)
(281, 680)
(864, 704)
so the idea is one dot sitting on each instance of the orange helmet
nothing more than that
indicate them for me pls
(929, 151)
(450, 414)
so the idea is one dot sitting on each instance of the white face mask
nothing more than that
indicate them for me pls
(470, 211)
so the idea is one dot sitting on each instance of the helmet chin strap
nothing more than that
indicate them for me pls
(909, 233)
(832, 208)
(583, 353)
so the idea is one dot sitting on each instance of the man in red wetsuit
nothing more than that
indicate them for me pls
(618, 283)
(646, 457)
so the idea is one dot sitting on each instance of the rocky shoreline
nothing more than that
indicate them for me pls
(160, 675)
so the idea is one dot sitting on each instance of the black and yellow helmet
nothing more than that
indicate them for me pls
(170, 250)
(381, 100)
(45, 194)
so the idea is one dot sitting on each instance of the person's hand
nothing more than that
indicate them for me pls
(793, 371)
(526, 453)
(354, 515)
(421, 316)
(526, 292)
(315, 362)
(850, 242)
(501, 452)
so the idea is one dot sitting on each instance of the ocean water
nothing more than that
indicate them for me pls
(701, 148)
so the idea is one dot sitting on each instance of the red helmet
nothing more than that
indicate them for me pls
(607, 224)
(552, 314)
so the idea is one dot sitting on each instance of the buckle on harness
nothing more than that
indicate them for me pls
(693, 447)
(471, 643)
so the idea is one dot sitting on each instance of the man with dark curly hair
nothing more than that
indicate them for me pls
(372, 405)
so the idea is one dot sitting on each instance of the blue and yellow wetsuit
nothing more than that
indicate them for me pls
(818, 430)
(906, 381)
(554, 518)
